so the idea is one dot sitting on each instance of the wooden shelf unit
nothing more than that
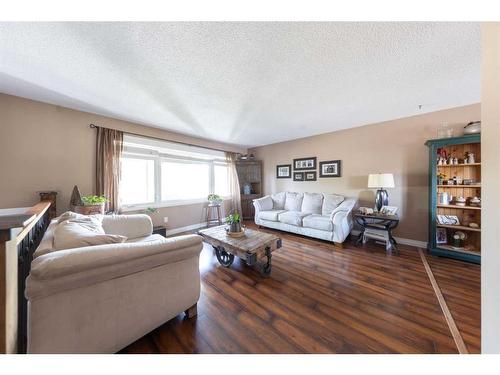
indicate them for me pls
(456, 147)
(249, 172)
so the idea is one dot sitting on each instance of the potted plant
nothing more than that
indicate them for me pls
(234, 221)
(214, 199)
(91, 204)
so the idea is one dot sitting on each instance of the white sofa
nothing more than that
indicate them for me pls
(99, 299)
(319, 215)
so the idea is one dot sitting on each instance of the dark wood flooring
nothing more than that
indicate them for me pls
(321, 299)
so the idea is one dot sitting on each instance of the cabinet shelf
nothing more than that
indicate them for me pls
(459, 227)
(459, 165)
(458, 207)
(460, 186)
(459, 250)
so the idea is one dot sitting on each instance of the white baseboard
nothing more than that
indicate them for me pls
(354, 232)
(401, 240)
(171, 232)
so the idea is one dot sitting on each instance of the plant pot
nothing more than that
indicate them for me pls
(235, 227)
(89, 209)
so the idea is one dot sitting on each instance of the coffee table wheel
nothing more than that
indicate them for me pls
(224, 258)
(266, 269)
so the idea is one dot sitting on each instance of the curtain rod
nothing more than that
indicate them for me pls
(94, 126)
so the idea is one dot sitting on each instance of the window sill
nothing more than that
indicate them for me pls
(142, 207)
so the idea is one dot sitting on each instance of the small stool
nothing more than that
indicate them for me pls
(213, 215)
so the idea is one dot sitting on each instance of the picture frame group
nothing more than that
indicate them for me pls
(304, 169)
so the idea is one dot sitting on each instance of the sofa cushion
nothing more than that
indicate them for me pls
(271, 215)
(312, 203)
(69, 235)
(321, 222)
(278, 200)
(293, 201)
(292, 217)
(330, 202)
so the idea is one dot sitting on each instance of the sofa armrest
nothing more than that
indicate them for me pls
(343, 209)
(130, 226)
(342, 220)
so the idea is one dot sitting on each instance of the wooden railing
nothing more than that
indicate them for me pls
(20, 235)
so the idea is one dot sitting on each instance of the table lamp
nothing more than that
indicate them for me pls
(380, 181)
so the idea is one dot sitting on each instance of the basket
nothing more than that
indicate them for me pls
(236, 234)
(89, 209)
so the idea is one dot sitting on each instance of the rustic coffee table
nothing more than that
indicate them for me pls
(254, 248)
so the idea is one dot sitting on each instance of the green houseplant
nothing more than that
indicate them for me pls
(234, 221)
(214, 199)
(91, 204)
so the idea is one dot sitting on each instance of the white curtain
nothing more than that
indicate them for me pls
(234, 184)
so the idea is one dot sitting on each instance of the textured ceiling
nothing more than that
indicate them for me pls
(244, 83)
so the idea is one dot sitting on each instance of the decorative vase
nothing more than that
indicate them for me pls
(235, 227)
(247, 189)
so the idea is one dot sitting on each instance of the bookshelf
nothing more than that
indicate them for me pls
(470, 248)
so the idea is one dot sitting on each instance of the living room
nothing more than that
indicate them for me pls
(249, 187)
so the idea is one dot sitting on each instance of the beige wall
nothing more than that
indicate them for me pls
(490, 171)
(390, 147)
(47, 147)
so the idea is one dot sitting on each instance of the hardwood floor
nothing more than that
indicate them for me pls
(321, 299)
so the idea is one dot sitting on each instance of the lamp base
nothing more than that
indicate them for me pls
(381, 199)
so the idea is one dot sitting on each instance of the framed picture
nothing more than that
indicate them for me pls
(441, 237)
(304, 163)
(448, 219)
(388, 210)
(298, 176)
(329, 168)
(284, 171)
(310, 176)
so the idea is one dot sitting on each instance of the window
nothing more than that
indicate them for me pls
(221, 175)
(138, 181)
(156, 173)
(184, 180)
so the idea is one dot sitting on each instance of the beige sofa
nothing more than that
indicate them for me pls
(99, 299)
(319, 215)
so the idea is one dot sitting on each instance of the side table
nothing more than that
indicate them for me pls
(160, 230)
(378, 227)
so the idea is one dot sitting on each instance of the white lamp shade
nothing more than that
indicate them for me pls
(381, 180)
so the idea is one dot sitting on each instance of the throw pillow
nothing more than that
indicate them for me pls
(293, 201)
(69, 234)
(312, 203)
(278, 201)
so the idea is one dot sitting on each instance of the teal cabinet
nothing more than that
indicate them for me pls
(461, 180)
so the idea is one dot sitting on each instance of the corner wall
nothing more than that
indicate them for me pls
(490, 171)
(47, 147)
(389, 147)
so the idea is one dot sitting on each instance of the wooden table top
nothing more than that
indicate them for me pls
(377, 216)
(252, 241)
